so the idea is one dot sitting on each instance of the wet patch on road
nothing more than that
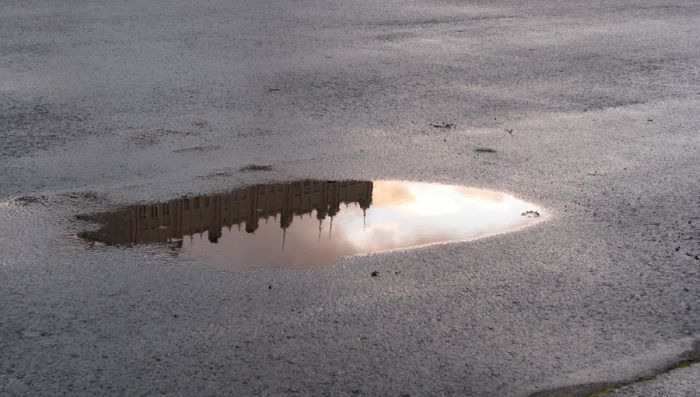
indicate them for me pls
(443, 125)
(256, 167)
(27, 200)
(597, 389)
(311, 223)
(197, 149)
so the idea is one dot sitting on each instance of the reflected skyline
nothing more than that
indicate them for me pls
(162, 222)
(313, 223)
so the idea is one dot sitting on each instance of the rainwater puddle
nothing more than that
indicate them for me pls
(312, 223)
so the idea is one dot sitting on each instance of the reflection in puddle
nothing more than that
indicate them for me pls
(313, 223)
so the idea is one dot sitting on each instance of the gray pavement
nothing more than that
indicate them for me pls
(138, 101)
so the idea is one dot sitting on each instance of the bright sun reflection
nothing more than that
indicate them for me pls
(411, 213)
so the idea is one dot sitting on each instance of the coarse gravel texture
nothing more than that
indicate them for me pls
(590, 109)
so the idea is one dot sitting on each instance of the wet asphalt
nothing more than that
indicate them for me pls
(587, 109)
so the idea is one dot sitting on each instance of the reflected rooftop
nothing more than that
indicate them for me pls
(312, 223)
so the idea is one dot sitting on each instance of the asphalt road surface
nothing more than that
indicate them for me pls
(590, 109)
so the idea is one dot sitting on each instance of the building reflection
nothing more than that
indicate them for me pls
(241, 208)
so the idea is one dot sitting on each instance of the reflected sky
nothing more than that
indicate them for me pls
(314, 223)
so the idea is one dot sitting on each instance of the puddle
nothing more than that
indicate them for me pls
(314, 223)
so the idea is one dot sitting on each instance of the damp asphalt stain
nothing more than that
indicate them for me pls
(255, 168)
(311, 223)
(598, 389)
